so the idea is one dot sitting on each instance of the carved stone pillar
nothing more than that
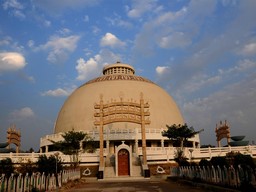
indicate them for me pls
(108, 149)
(143, 132)
(136, 146)
(101, 133)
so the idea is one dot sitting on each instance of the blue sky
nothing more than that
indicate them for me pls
(202, 52)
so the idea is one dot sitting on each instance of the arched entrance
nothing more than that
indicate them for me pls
(123, 162)
(121, 111)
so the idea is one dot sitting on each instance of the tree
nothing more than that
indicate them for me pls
(219, 161)
(180, 158)
(6, 167)
(204, 163)
(26, 166)
(48, 165)
(180, 133)
(73, 143)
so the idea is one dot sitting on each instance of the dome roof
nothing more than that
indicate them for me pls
(118, 82)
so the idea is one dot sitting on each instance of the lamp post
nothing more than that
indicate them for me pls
(191, 151)
(56, 169)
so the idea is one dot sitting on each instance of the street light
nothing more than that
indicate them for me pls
(191, 151)
(56, 169)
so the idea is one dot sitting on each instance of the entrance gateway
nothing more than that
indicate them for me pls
(122, 111)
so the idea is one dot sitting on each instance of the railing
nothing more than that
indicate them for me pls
(115, 134)
(196, 154)
(153, 153)
(228, 177)
(42, 182)
(33, 157)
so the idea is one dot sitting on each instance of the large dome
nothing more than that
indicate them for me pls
(117, 82)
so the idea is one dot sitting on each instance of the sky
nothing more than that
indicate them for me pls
(202, 52)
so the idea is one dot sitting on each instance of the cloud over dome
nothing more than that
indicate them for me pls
(59, 48)
(19, 114)
(59, 92)
(161, 69)
(11, 61)
(90, 68)
(111, 40)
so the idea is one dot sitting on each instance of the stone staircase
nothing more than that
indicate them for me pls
(136, 166)
(109, 172)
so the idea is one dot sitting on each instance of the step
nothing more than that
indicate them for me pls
(109, 172)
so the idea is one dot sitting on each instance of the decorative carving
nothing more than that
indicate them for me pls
(160, 170)
(87, 172)
(222, 131)
(118, 77)
(120, 111)
(13, 136)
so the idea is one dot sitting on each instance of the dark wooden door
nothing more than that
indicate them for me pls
(123, 162)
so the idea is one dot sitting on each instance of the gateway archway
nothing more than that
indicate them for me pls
(121, 111)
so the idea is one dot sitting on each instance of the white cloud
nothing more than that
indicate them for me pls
(111, 41)
(86, 18)
(30, 43)
(223, 105)
(19, 14)
(116, 20)
(141, 7)
(174, 29)
(47, 23)
(161, 69)
(26, 77)
(86, 68)
(90, 68)
(59, 92)
(249, 49)
(15, 8)
(242, 66)
(176, 39)
(11, 61)
(59, 48)
(64, 31)
(23, 113)
(12, 4)
(95, 30)
(57, 6)
(199, 81)
(6, 41)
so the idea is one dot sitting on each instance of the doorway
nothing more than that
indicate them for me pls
(123, 163)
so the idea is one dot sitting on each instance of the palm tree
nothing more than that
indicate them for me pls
(180, 133)
(73, 143)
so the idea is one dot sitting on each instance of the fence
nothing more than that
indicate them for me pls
(39, 181)
(229, 177)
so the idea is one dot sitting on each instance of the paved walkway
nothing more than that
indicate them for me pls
(146, 185)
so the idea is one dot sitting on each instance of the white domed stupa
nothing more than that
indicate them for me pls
(120, 110)
(118, 82)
